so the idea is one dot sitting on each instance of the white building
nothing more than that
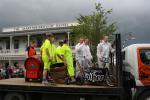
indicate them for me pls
(14, 40)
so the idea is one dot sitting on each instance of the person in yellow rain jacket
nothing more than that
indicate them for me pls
(59, 55)
(67, 52)
(48, 51)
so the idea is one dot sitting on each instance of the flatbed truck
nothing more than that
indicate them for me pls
(131, 75)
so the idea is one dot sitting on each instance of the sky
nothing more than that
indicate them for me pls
(130, 15)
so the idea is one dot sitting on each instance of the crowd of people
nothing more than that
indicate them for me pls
(9, 71)
(63, 54)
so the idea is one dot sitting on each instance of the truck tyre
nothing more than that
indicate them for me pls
(145, 96)
(1, 96)
(14, 96)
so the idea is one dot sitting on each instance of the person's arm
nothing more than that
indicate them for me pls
(60, 56)
(99, 51)
(41, 51)
(89, 53)
(48, 54)
(45, 46)
(27, 52)
(112, 50)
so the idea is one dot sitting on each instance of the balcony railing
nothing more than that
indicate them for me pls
(21, 51)
(12, 52)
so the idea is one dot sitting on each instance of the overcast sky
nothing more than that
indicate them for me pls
(130, 15)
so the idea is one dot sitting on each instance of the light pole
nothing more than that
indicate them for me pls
(28, 39)
(68, 34)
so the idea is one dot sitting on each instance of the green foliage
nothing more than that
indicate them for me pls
(94, 26)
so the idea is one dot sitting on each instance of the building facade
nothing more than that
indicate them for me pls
(15, 40)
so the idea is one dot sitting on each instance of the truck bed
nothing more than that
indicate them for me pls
(19, 85)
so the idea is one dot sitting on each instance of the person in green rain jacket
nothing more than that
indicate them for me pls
(48, 51)
(67, 52)
(59, 54)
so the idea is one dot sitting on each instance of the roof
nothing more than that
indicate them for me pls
(136, 46)
(38, 27)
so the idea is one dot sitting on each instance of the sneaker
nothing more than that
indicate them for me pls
(45, 82)
(109, 83)
(72, 80)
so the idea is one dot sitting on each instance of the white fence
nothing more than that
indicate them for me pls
(20, 52)
(12, 52)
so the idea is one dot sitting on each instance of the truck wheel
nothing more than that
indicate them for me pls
(145, 96)
(1, 96)
(14, 96)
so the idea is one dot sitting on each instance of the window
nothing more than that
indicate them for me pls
(16, 44)
(39, 42)
(145, 56)
(0, 45)
(7, 44)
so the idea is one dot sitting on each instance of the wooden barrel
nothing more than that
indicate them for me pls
(58, 72)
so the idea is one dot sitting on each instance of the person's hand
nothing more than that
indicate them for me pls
(101, 59)
(83, 43)
(91, 57)
(39, 55)
(65, 64)
(113, 50)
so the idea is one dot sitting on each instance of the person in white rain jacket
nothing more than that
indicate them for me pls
(103, 51)
(87, 54)
(79, 55)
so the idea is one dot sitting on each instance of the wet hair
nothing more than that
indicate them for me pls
(105, 36)
(82, 37)
(49, 35)
(86, 38)
(33, 42)
(65, 41)
(61, 42)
